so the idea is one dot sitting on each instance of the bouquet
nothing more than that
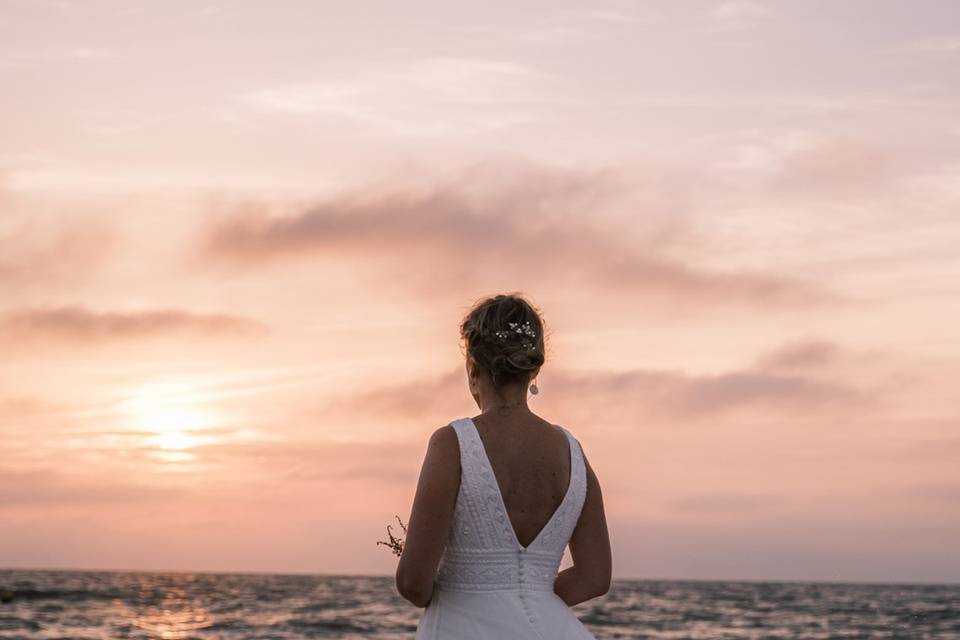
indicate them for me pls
(396, 544)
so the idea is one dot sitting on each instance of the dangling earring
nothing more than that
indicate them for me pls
(533, 387)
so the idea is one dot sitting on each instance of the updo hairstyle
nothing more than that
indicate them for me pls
(504, 335)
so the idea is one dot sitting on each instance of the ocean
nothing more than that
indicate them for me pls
(107, 605)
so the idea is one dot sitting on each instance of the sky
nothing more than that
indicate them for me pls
(237, 239)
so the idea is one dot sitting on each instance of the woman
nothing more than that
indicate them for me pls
(499, 498)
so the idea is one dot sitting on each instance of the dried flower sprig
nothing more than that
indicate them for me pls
(395, 543)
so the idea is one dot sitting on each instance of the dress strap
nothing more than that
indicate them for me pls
(471, 454)
(578, 468)
(461, 427)
(575, 447)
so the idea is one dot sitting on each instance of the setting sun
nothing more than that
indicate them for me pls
(167, 416)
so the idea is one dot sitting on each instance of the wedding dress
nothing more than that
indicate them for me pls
(488, 586)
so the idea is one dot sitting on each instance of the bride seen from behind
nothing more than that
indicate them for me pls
(499, 498)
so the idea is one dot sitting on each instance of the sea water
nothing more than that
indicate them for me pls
(108, 605)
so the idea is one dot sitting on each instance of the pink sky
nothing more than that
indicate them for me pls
(236, 240)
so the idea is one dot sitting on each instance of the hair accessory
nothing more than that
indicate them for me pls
(521, 329)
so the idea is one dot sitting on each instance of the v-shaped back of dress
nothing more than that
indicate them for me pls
(482, 551)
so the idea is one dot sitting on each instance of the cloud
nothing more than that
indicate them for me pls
(793, 104)
(75, 324)
(723, 502)
(802, 353)
(57, 55)
(306, 460)
(707, 394)
(564, 27)
(17, 407)
(946, 45)
(946, 494)
(641, 393)
(534, 226)
(794, 165)
(438, 96)
(73, 252)
(47, 487)
(739, 14)
(436, 396)
(838, 166)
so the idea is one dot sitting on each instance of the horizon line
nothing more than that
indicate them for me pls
(386, 575)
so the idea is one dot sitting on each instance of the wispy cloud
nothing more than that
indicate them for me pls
(415, 399)
(726, 503)
(60, 55)
(801, 354)
(431, 96)
(531, 229)
(77, 325)
(644, 393)
(18, 407)
(565, 27)
(838, 166)
(946, 494)
(50, 488)
(306, 460)
(72, 252)
(739, 14)
(947, 45)
(707, 394)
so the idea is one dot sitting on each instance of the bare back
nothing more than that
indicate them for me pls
(531, 462)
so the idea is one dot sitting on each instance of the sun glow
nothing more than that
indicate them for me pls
(169, 418)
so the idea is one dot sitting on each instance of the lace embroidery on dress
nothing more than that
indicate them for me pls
(482, 551)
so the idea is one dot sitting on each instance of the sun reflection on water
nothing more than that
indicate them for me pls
(175, 617)
(170, 624)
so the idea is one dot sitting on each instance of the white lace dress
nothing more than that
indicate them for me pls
(488, 586)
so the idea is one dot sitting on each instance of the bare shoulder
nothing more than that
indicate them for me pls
(441, 463)
(443, 447)
(444, 437)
